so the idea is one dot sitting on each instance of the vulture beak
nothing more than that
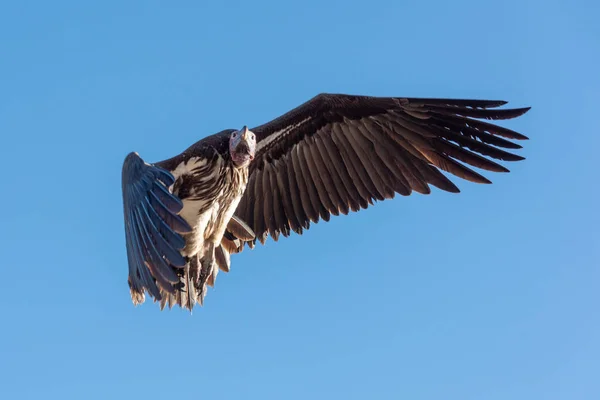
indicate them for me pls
(244, 146)
(244, 133)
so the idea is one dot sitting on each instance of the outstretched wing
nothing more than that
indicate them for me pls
(340, 153)
(153, 229)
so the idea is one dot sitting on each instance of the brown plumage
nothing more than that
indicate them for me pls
(332, 155)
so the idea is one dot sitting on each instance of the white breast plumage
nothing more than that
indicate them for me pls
(213, 189)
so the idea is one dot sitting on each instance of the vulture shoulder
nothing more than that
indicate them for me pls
(338, 153)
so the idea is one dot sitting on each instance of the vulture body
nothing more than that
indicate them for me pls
(334, 154)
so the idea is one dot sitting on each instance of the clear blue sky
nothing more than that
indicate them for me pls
(490, 294)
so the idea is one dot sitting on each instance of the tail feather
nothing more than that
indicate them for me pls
(196, 276)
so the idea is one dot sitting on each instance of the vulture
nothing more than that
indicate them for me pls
(332, 155)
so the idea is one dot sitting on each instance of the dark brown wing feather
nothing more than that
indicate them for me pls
(340, 153)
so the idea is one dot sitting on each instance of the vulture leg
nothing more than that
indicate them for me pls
(187, 297)
(208, 269)
(207, 260)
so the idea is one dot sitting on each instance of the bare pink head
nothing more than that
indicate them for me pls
(242, 146)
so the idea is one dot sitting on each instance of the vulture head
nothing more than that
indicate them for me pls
(242, 146)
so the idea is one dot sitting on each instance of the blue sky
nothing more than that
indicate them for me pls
(489, 294)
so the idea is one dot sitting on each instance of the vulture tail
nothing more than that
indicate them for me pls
(199, 273)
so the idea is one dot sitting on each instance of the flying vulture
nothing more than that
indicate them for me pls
(334, 154)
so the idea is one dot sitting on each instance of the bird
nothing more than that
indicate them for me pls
(332, 155)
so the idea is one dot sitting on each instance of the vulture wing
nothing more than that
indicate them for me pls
(340, 153)
(153, 228)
